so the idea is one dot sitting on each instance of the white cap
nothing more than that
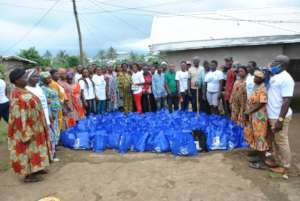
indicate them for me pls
(164, 63)
(189, 62)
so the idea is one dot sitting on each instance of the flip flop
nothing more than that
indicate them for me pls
(254, 159)
(271, 163)
(32, 179)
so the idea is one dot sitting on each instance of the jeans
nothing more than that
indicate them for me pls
(4, 107)
(91, 106)
(101, 106)
(173, 102)
(195, 102)
(184, 98)
(160, 103)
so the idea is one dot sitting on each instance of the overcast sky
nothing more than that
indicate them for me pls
(123, 24)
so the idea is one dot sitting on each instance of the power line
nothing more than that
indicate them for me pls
(121, 19)
(30, 7)
(144, 9)
(33, 27)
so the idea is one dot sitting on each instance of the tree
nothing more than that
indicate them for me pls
(111, 53)
(47, 59)
(133, 57)
(61, 59)
(73, 61)
(31, 54)
(101, 56)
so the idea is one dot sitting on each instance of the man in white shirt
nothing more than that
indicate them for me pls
(87, 88)
(100, 90)
(280, 93)
(182, 78)
(251, 67)
(4, 102)
(78, 72)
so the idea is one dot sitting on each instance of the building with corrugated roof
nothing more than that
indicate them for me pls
(252, 34)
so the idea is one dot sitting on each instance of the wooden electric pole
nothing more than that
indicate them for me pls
(79, 32)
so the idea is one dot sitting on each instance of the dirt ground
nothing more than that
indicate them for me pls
(88, 176)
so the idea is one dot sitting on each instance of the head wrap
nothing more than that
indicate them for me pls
(259, 74)
(44, 75)
(30, 72)
(16, 74)
(70, 75)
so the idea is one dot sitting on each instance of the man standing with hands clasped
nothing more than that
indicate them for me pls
(280, 93)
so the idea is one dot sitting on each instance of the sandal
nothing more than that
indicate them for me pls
(257, 165)
(42, 172)
(32, 178)
(279, 170)
(271, 163)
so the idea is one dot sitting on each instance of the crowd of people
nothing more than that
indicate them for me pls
(45, 102)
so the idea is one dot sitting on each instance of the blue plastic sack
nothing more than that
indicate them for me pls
(114, 140)
(125, 142)
(161, 143)
(139, 141)
(217, 138)
(68, 138)
(242, 141)
(99, 141)
(82, 140)
(182, 144)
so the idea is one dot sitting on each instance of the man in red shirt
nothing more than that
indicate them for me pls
(230, 78)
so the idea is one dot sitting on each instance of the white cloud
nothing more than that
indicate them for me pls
(57, 30)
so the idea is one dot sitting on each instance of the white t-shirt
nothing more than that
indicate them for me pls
(37, 91)
(88, 89)
(137, 78)
(100, 86)
(77, 76)
(212, 78)
(182, 77)
(249, 84)
(281, 85)
(3, 97)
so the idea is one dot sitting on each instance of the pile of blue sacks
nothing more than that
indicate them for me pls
(153, 132)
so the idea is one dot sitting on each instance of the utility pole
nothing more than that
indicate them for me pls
(79, 32)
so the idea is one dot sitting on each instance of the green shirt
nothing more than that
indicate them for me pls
(170, 81)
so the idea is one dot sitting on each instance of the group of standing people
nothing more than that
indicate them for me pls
(44, 103)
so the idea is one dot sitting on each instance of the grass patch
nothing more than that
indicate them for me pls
(3, 131)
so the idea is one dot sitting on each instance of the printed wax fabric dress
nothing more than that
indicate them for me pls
(256, 130)
(28, 139)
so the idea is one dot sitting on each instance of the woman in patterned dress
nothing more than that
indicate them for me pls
(257, 122)
(54, 106)
(238, 99)
(28, 139)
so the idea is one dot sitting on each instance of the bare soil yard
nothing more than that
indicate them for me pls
(87, 176)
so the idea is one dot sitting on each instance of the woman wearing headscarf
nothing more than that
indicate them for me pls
(68, 120)
(238, 99)
(60, 92)
(113, 90)
(28, 139)
(257, 121)
(124, 82)
(54, 106)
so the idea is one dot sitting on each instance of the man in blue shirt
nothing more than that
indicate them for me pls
(158, 88)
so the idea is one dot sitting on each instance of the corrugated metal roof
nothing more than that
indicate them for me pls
(18, 58)
(225, 28)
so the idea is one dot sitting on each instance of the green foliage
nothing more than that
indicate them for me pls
(111, 54)
(72, 61)
(31, 54)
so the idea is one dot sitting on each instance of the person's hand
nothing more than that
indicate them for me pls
(85, 104)
(189, 93)
(204, 97)
(277, 126)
